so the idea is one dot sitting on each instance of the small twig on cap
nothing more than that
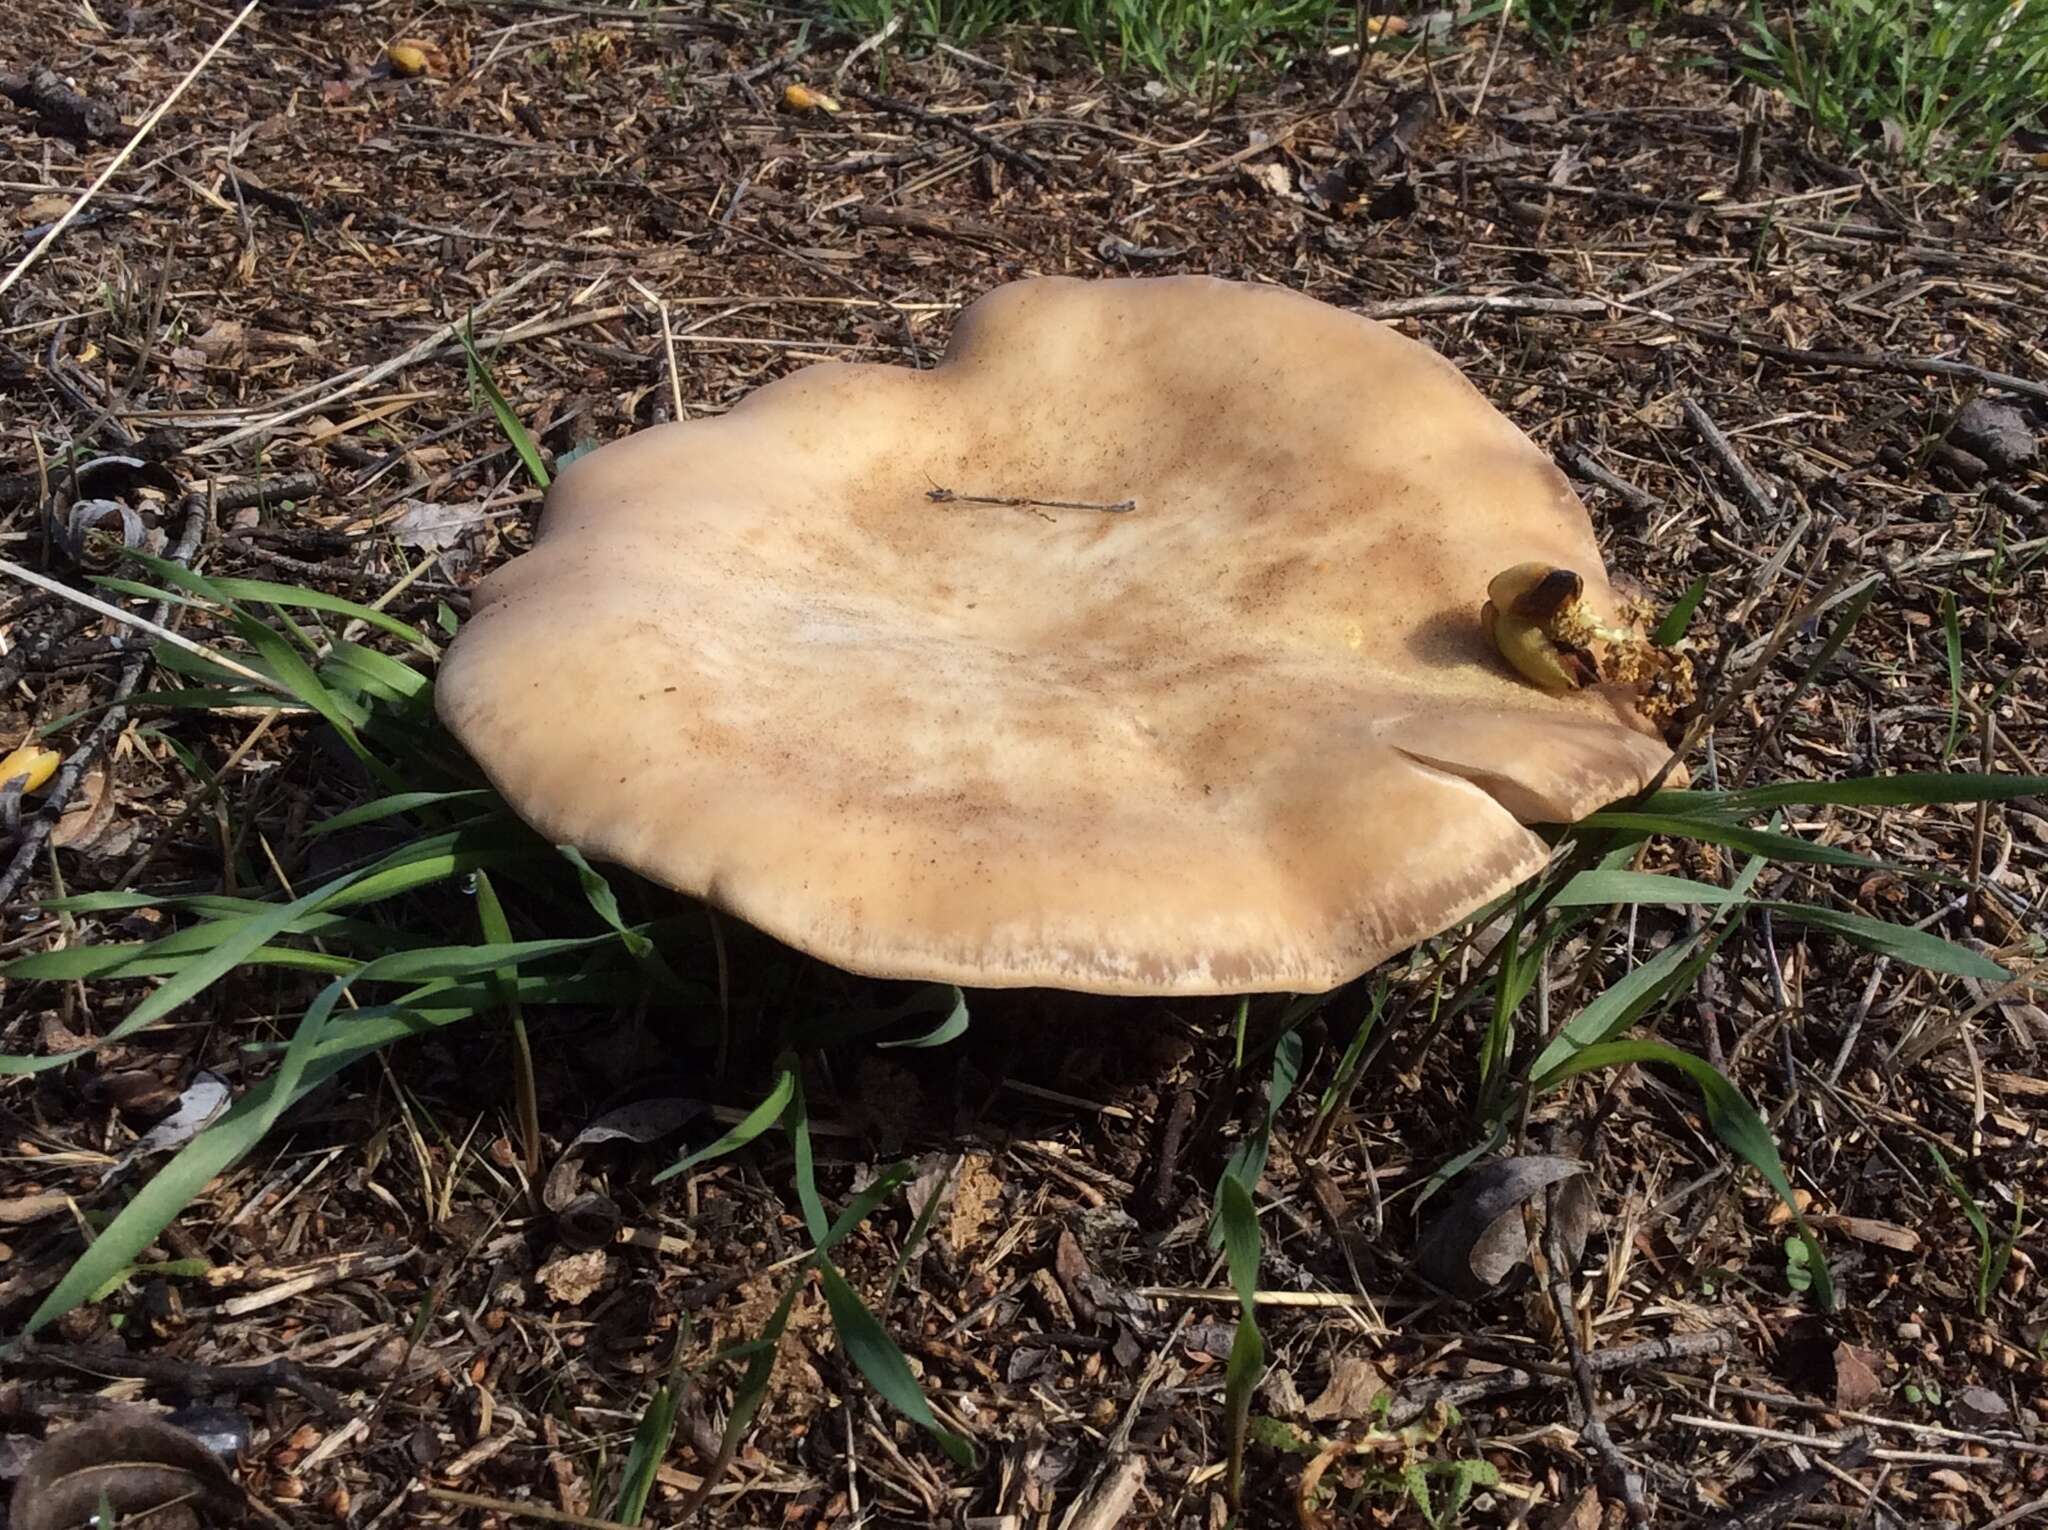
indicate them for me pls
(940, 496)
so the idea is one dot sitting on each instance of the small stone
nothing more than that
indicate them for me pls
(1910, 1331)
(1999, 434)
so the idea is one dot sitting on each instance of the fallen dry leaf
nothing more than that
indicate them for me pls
(1582, 1513)
(1278, 1392)
(641, 1122)
(127, 1459)
(31, 1208)
(1780, 1213)
(221, 340)
(1857, 1383)
(1869, 1230)
(1478, 1239)
(1354, 1383)
(30, 765)
(1978, 1408)
(1272, 178)
(572, 1279)
(87, 815)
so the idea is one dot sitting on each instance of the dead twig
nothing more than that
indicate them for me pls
(1481, 302)
(1712, 437)
(1626, 1482)
(1025, 502)
(1110, 1503)
(1581, 465)
(189, 1378)
(113, 165)
(1016, 159)
(1793, 1494)
(374, 375)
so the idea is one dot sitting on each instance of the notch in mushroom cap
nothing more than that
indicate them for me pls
(1245, 735)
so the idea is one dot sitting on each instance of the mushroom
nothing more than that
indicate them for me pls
(1135, 648)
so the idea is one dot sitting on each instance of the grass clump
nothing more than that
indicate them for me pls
(1556, 24)
(1196, 46)
(543, 931)
(1936, 85)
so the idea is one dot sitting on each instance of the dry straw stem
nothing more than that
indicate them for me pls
(1832, 1444)
(142, 624)
(538, 1512)
(1112, 1500)
(376, 374)
(71, 213)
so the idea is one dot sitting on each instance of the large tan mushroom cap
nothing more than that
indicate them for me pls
(1245, 737)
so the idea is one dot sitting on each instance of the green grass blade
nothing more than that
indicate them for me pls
(395, 805)
(215, 1150)
(117, 586)
(604, 902)
(154, 958)
(1932, 789)
(756, 1121)
(1713, 831)
(1598, 889)
(862, 1206)
(134, 962)
(368, 672)
(1732, 1117)
(203, 972)
(508, 421)
(747, 1396)
(875, 1355)
(496, 929)
(951, 1028)
(1916, 948)
(942, 999)
(796, 1122)
(178, 576)
(920, 1229)
(650, 1448)
(1615, 1009)
(1679, 617)
(1238, 1217)
(293, 596)
(246, 1123)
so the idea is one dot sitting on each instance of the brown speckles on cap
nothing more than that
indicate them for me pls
(1247, 736)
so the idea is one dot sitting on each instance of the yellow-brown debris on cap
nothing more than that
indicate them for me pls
(1244, 735)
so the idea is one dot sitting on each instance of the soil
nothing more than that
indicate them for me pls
(1747, 355)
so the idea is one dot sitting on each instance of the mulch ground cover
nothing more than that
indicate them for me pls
(1760, 366)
